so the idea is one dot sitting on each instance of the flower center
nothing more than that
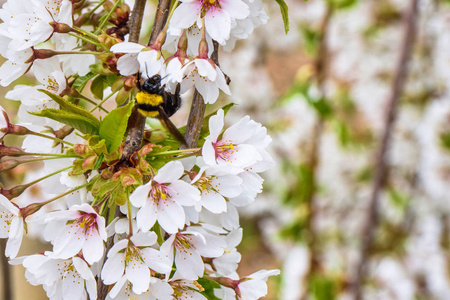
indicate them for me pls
(87, 222)
(183, 242)
(225, 150)
(209, 5)
(158, 192)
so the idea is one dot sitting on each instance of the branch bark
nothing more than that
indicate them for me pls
(381, 163)
(320, 65)
(6, 273)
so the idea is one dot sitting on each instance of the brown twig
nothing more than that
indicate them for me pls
(198, 107)
(313, 161)
(381, 163)
(6, 274)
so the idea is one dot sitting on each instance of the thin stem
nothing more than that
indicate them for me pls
(95, 8)
(130, 217)
(50, 138)
(47, 176)
(67, 193)
(87, 40)
(381, 165)
(106, 18)
(55, 155)
(99, 105)
(177, 152)
(174, 6)
(85, 33)
(77, 52)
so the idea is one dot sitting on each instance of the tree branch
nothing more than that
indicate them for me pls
(320, 65)
(381, 163)
(6, 274)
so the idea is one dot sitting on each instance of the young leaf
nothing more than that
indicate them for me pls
(79, 122)
(97, 87)
(70, 107)
(81, 82)
(284, 14)
(114, 125)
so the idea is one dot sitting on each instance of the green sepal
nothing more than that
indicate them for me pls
(79, 122)
(98, 86)
(119, 196)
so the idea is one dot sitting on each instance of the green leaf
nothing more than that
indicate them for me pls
(209, 286)
(114, 125)
(445, 140)
(324, 288)
(79, 122)
(98, 86)
(81, 82)
(70, 107)
(284, 14)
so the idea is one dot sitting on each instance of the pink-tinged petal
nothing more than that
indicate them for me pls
(143, 239)
(171, 216)
(244, 199)
(93, 249)
(214, 202)
(68, 243)
(128, 64)
(228, 185)
(214, 246)
(189, 264)
(236, 8)
(209, 153)
(221, 82)
(139, 275)
(126, 47)
(240, 131)
(8, 205)
(122, 244)
(140, 195)
(208, 90)
(184, 193)
(117, 287)
(185, 15)
(216, 124)
(156, 261)
(146, 216)
(218, 25)
(206, 69)
(82, 268)
(15, 238)
(113, 269)
(170, 172)
(161, 290)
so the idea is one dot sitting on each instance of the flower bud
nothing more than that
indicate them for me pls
(8, 164)
(10, 151)
(82, 150)
(13, 192)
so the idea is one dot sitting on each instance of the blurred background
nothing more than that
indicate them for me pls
(356, 99)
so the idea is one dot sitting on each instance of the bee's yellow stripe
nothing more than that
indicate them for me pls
(149, 99)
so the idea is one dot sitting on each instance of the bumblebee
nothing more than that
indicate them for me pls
(154, 102)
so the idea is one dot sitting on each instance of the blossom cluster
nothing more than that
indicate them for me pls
(161, 223)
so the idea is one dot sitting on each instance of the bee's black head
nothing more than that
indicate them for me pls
(152, 85)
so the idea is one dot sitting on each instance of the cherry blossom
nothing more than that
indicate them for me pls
(190, 246)
(138, 58)
(206, 76)
(162, 199)
(131, 260)
(69, 279)
(11, 226)
(82, 221)
(218, 14)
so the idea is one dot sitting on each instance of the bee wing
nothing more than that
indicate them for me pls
(170, 126)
